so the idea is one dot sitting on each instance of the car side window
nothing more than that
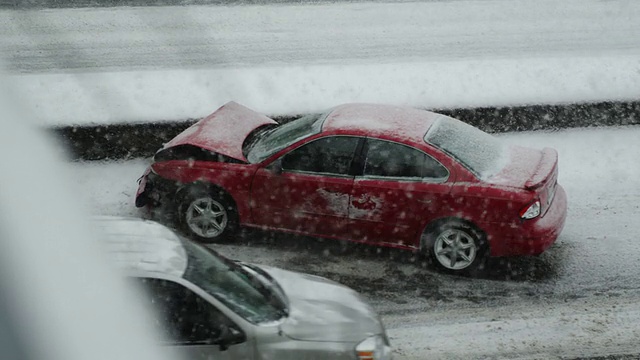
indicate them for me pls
(181, 315)
(390, 159)
(330, 155)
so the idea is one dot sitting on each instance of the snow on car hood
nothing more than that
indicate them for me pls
(223, 131)
(323, 310)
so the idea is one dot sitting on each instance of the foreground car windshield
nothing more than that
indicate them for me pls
(482, 153)
(284, 135)
(234, 287)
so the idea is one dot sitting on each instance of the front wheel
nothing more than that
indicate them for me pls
(208, 217)
(456, 247)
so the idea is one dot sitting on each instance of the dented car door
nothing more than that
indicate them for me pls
(307, 189)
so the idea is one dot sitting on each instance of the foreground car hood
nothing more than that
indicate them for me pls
(323, 310)
(223, 131)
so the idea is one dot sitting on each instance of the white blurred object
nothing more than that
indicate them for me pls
(59, 300)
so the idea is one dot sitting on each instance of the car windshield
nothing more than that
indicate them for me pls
(284, 135)
(480, 152)
(228, 282)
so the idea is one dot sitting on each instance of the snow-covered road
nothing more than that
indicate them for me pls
(88, 66)
(294, 34)
(579, 298)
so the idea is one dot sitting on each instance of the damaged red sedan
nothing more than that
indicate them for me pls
(381, 175)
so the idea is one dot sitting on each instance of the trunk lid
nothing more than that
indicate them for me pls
(533, 170)
(224, 131)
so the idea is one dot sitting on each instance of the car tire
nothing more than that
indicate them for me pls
(456, 247)
(207, 215)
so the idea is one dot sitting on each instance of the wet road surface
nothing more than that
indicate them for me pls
(112, 39)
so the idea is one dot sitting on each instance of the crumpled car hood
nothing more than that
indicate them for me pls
(323, 310)
(224, 131)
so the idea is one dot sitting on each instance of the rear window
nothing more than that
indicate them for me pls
(480, 152)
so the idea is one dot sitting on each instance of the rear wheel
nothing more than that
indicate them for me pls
(456, 247)
(208, 215)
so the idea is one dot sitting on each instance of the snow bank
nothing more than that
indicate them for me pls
(170, 95)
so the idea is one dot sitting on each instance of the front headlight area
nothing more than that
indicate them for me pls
(374, 348)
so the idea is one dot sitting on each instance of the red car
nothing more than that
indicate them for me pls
(381, 175)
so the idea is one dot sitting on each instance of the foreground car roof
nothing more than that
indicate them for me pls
(143, 246)
(380, 120)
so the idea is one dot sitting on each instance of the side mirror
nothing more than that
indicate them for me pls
(275, 167)
(229, 336)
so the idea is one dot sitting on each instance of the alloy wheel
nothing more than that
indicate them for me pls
(206, 217)
(455, 249)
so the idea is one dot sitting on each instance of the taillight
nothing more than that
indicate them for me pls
(531, 211)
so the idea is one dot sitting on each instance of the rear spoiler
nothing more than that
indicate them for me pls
(544, 170)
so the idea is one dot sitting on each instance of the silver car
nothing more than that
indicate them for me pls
(211, 307)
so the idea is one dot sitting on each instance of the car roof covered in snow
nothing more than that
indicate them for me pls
(385, 121)
(138, 245)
